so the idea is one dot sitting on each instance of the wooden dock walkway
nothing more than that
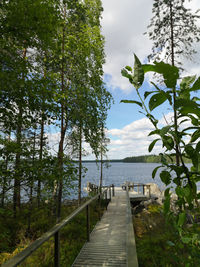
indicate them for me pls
(112, 240)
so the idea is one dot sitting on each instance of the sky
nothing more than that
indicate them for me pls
(123, 25)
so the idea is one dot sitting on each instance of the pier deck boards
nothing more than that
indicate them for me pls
(108, 241)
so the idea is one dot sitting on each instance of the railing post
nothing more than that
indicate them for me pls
(138, 188)
(110, 192)
(99, 207)
(106, 194)
(88, 222)
(113, 190)
(57, 249)
(143, 189)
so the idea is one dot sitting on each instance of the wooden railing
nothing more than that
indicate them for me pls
(131, 186)
(132, 260)
(19, 258)
(96, 189)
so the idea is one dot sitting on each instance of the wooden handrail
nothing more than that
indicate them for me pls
(54, 231)
(132, 260)
(130, 185)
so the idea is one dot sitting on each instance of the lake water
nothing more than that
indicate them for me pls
(119, 172)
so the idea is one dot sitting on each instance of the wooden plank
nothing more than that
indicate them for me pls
(131, 245)
(108, 241)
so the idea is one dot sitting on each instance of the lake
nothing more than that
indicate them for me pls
(119, 172)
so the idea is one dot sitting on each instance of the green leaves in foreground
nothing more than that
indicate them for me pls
(156, 100)
(165, 177)
(151, 146)
(170, 73)
(137, 77)
(131, 102)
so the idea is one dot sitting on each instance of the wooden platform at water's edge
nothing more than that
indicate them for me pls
(108, 241)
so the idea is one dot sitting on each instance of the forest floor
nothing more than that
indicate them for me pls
(158, 243)
(17, 234)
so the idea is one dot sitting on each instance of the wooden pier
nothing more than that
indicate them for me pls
(112, 242)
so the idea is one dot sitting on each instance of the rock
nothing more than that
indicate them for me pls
(154, 190)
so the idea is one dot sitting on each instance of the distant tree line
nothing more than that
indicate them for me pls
(151, 159)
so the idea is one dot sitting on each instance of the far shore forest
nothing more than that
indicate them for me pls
(140, 159)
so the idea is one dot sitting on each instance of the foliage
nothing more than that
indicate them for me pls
(173, 29)
(51, 82)
(51, 56)
(72, 236)
(158, 242)
(180, 177)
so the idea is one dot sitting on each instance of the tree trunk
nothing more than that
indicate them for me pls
(31, 185)
(62, 132)
(80, 165)
(5, 177)
(101, 171)
(17, 176)
(40, 160)
(174, 89)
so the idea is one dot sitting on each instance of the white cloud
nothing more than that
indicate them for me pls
(132, 140)
(123, 24)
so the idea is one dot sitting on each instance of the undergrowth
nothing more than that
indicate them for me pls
(15, 237)
(158, 243)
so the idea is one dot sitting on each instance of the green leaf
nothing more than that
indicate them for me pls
(187, 106)
(167, 193)
(165, 177)
(186, 82)
(138, 77)
(195, 136)
(165, 130)
(157, 131)
(189, 150)
(179, 191)
(148, 93)
(128, 68)
(186, 191)
(170, 243)
(125, 73)
(185, 102)
(169, 72)
(156, 100)
(151, 146)
(131, 102)
(181, 219)
(198, 147)
(168, 142)
(196, 85)
(155, 171)
(186, 240)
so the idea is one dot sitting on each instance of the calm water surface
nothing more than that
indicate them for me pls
(119, 172)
